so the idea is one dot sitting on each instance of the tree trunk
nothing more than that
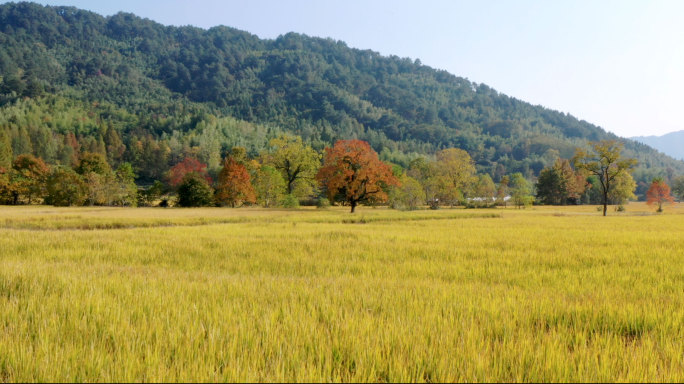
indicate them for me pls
(605, 203)
(353, 206)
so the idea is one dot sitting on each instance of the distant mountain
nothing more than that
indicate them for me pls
(138, 91)
(671, 144)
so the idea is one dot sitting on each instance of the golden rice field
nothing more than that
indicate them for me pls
(543, 294)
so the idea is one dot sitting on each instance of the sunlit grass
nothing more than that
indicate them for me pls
(542, 294)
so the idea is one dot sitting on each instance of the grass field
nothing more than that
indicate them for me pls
(543, 294)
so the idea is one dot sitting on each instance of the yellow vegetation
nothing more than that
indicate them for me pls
(543, 294)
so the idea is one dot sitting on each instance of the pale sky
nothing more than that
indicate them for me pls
(618, 64)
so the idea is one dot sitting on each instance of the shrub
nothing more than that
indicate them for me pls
(290, 201)
(149, 195)
(194, 191)
(323, 203)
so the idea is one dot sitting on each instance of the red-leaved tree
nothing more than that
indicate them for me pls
(234, 184)
(353, 173)
(188, 165)
(659, 193)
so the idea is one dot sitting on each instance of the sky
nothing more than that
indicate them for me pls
(616, 64)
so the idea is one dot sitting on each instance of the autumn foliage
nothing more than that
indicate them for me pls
(353, 173)
(188, 165)
(30, 176)
(659, 194)
(234, 184)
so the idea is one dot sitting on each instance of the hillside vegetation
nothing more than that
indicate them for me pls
(73, 81)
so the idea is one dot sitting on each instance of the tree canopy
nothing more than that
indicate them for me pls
(659, 194)
(560, 184)
(297, 162)
(353, 173)
(604, 162)
(234, 186)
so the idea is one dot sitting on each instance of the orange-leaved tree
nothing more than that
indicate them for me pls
(353, 173)
(659, 193)
(30, 176)
(234, 184)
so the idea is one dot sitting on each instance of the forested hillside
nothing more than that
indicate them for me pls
(134, 90)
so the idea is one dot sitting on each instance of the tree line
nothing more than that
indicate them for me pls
(290, 172)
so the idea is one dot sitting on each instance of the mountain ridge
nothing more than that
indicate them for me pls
(671, 144)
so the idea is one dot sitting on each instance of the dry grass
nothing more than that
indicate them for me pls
(544, 294)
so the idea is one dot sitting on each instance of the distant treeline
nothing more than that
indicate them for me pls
(290, 172)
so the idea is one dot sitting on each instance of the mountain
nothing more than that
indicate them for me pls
(671, 144)
(149, 94)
